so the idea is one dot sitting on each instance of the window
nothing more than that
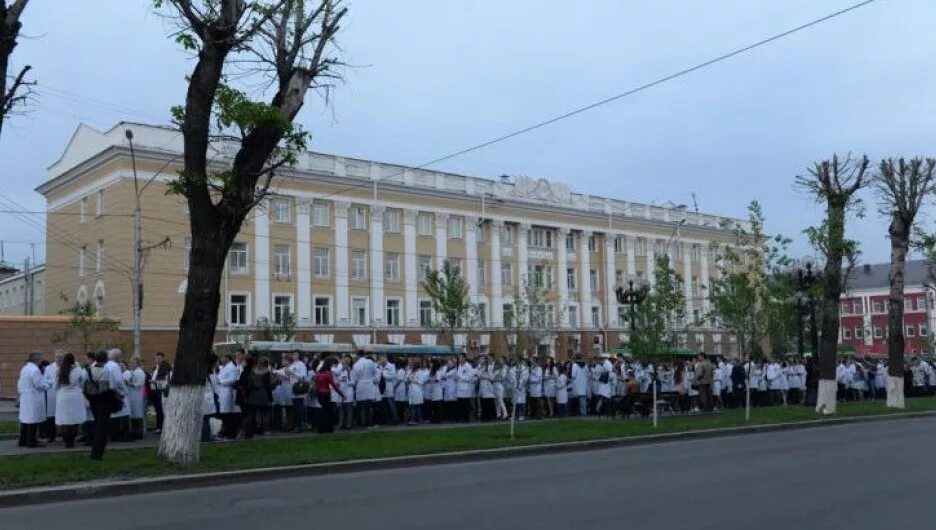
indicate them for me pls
(592, 246)
(877, 306)
(320, 262)
(456, 227)
(846, 334)
(280, 210)
(696, 317)
(640, 247)
(393, 312)
(508, 315)
(359, 311)
(482, 233)
(282, 308)
(878, 332)
(570, 278)
(596, 316)
(83, 210)
(696, 252)
(359, 265)
(237, 309)
(619, 244)
(507, 240)
(506, 274)
(321, 311)
(573, 316)
(456, 264)
(858, 332)
(570, 241)
(923, 330)
(81, 260)
(424, 224)
(911, 331)
(185, 253)
(846, 308)
(392, 221)
(425, 265)
(619, 277)
(237, 258)
(425, 313)
(539, 238)
(99, 207)
(100, 256)
(541, 276)
(392, 266)
(482, 274)
(593, 279)
(320, 214)
(481, 310)
(281, 260)
(677, 252)
(857, 308)
(358, 216)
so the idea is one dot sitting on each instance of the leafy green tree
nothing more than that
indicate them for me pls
(92, 331)
(660, 316)
(451, 305)
(529, 321)
(289, 47)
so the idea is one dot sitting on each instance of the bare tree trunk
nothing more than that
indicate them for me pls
(900, 242)
(826, 401)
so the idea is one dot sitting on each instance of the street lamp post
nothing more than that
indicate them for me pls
(632, 297)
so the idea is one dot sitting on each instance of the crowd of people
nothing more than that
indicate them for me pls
(103, 398)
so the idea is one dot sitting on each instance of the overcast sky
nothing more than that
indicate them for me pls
(434, 76)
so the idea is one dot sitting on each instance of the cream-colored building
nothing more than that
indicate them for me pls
(22, 292)
(344, 243)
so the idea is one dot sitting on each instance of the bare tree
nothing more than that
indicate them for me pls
(15, 89)
(836, 183)
(901, 186)
(290, 44)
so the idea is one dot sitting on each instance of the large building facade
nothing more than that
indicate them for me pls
(343, 244)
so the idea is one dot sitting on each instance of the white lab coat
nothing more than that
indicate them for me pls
(434, 385)
(535, 384)
(773, 374)
(416, 381)
(51, 376)
(880, 379)
(400, 386)
(465, 377)
(208, 402)
(486, 382)
(521, 376)
(450, 384)
(389, 375)
(549, 382)
(604, 389)
(364, 377)
(344, 382)
(579, 380)
(135, 380)
(31, 387)
(562, 389)
(70, 406)
(297, 372)
(500, 374)
(227, 378)
(117, 383)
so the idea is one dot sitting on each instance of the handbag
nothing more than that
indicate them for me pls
(300, 388)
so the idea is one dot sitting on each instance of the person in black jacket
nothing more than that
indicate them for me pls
(255, 392)
(738, 382)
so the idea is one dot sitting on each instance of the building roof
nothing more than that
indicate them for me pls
(875, 276)
(19, 275)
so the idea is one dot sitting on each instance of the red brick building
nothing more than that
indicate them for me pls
(863, 313)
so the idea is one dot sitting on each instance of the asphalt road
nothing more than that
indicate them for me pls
(863, 476)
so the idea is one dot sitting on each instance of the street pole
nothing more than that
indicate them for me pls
(137, 251)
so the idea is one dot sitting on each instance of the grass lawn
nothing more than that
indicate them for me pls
(50, 469)
(8, 428)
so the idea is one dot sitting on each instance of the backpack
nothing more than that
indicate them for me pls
(382, 384)
(98, 389)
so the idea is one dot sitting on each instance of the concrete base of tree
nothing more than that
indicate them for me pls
(895, 392)
(181, 436)
(827, 399)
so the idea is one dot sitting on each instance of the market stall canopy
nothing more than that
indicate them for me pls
(284, 347)
(407, 349)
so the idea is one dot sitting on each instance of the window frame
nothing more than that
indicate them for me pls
(392, 221)
(397, 311)
(278, 206)
(353, 269)
(392, 266)
(319, 209)
(365, 305)
(317, 311)
(317, 260)
(246, 254)
(282, 268)
(276, 312)
(246, 308)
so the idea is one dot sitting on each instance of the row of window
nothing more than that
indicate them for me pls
(98, 259)
(879, 332)
(856, 307)
(98, 207)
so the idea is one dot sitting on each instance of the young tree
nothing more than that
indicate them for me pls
(87, 327)
(658, 319)
(288, 44)
(901, 186)
(751, 296)
(451, 304)
(835, 183)
(14, 88)
(529, 322)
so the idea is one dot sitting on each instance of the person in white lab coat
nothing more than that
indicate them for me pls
(518, 377)
(417, 377)
(228, 374)
(388, 375)
(580, 386)
(465, 378)
(101, 381)
(562, 391)
(31, 387)
(135, 379)
(211, 399)
(119, 423)
(70, 411)
(433, 396)
(604, 379)
(364, 377)
(842, 379)
(550, 373)
(500, 378)
(773, 374)
(450, 391)
(51, 373)
(297, 386)
(400, 385)
(342, 374)
(486, 387)
(535, 389)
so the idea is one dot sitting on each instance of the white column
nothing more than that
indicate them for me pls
(704, 279)
(304, 262)
(441, 238)
(261, 264)
(342, 294)
(471, 257)
(410, 272)
(687, 278)
(376, 263)
(563, 261)
(585, 298)
(631, 257)
(610, 297)
(651, 262)
(497, 304)
(523, 259)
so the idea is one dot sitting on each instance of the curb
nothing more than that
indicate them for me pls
(85, 490)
